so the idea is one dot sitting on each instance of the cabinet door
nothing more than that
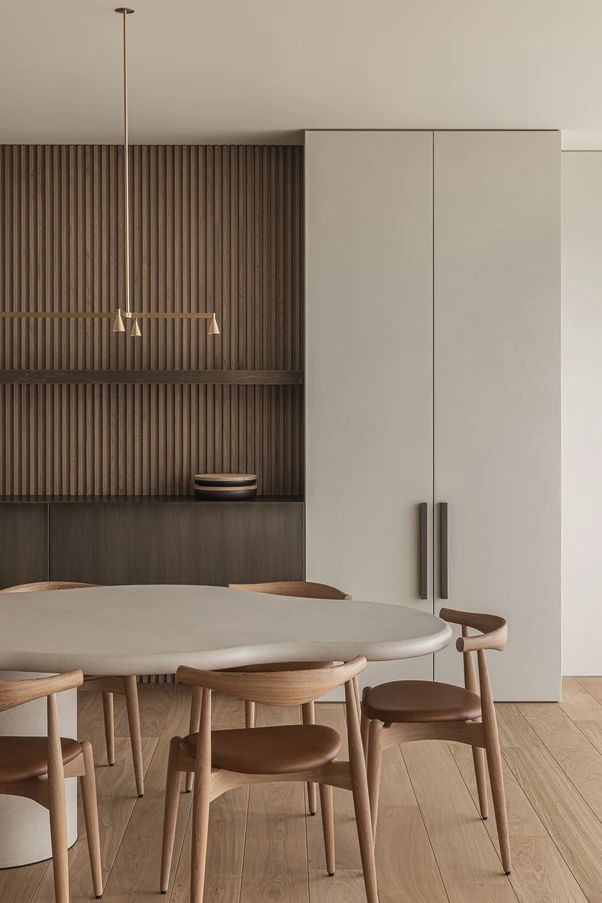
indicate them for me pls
(166, 541)
(497, 394)
(369, 365)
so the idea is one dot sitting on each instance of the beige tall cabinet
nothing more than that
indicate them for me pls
(433, 383)
(369, 364)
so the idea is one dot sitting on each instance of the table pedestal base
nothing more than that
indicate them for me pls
(25, 834)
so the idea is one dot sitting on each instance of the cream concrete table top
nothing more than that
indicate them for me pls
(154, 629)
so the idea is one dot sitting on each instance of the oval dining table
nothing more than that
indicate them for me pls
(153, 629)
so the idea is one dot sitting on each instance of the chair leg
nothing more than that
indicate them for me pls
(327, 808)
(374, 768)
(201, 802)
(494, 760)
(88, 785)
(308, 713)
(496, 778)
(133, 710)
(58, 837)
(249, 714)
(361, 802)
(193, 727)
(172, 799)
(109, 716)
(200, 830)
(365, 731)
(478, 758)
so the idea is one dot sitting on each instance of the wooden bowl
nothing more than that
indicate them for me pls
(224, 480)
(225, 493)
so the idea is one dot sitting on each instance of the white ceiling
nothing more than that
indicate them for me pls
(264, 70)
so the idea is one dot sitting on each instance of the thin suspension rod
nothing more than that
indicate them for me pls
(126, 168)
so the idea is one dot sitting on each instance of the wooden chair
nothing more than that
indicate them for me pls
(405, 710)
(224, 759)
(300, 589)
(36, 768)
(126, 686)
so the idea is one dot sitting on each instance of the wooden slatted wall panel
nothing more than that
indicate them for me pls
(141, 439)
(213, 228)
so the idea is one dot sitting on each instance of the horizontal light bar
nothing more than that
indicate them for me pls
(98, 314)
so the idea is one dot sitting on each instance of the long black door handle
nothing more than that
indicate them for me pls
(423, 550)
(443, 551)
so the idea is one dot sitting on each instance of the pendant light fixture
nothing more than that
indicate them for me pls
(124, 310)
(118, 324)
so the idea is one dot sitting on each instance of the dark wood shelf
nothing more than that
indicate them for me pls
(172, 377)
(139, 499)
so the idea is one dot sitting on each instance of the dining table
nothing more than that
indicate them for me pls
(153, 629)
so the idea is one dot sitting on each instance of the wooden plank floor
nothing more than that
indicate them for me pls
(431, 845)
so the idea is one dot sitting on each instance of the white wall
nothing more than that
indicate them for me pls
(582, 412)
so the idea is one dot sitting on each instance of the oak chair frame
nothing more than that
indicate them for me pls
(48, 790)
(123, 685)
(301, 589)
(482, 735)
(281, 688)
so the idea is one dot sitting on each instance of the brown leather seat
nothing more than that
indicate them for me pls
(22, 758)
(269, 750)
(281, 666)
(419, 701)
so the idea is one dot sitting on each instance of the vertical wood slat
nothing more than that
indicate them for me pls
(213, 228)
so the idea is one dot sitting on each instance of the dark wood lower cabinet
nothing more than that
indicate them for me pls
(153, 541)
(23, 543)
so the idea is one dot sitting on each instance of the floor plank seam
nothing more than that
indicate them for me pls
(580, 680)
(39, 883)
(81, 833)
(548, 834)
(137, 800)
(532, 802)
(244, 845)
(439, 872)
(175, 868)
(576, 724)
(476, 808)
(509, 877)
(559, 764)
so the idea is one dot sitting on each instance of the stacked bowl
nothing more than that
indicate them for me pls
(225, 487)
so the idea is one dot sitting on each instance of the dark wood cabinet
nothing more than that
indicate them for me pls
(121, 540)
(23, 543)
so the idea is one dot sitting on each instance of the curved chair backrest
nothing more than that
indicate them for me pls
(493, 634)
(282, 688)
(301, 588)
(45, 585)
(18, 692)
(493, 630)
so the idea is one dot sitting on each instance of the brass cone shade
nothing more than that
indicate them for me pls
(118, 322)
(213, 327)
(135, 331)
